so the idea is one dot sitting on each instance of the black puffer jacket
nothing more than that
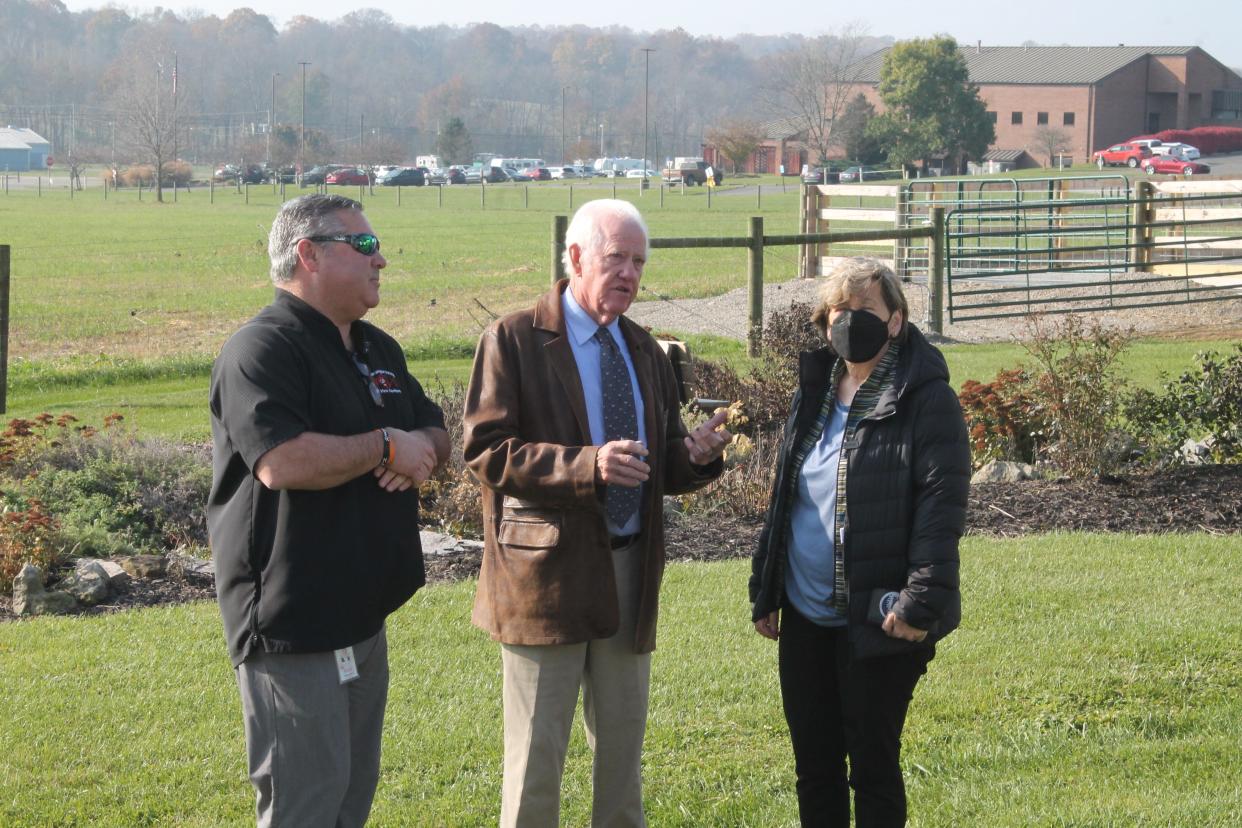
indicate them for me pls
(906, 490)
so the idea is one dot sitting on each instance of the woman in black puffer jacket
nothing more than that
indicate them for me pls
(856, 573)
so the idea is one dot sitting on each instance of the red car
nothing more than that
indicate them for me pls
(349, 175)
(1131, 155)
(1173, 164)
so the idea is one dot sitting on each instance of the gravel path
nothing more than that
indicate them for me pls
(725, 315)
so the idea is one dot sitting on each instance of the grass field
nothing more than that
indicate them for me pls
(120, 304)
(1094, 682)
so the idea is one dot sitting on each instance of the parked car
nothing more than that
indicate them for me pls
(1127, 154)
(1178, 150)
(1174, 165)
(690, 173)
(319, 174)
(351, 176)
(225, 172)
(566, 171)
(402, 177)
(1150, 143)
(496, 175)
(865, 172)
(639, 174)
(492, 175)
(448, 175)
(824, 174)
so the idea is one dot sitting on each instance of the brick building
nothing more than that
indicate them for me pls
(1096, 95)
(783, 144)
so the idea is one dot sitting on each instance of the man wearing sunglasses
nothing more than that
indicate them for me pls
(321, 439)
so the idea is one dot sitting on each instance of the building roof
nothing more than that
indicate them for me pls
(1043, 65)
(1002, 155)
(782, 129)
(10, 139)
(30, 136)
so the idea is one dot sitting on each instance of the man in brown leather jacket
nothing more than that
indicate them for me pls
(573, 559)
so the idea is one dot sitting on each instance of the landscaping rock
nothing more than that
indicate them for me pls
(1004, 471)
(1195, 452)
(146, 566)
(117, 575)
(436, 543)
(30, 598)
(88, 583)
(192, 569)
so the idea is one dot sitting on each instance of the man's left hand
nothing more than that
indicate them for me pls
(705, 443)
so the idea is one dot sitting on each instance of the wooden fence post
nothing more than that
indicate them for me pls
(935, 281)
(1141, 240)
(755, 285)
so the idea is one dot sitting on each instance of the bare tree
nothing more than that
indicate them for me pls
(1052, 142)
(147, 118)
(813, 83)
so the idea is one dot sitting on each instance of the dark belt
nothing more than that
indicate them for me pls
(618, 541)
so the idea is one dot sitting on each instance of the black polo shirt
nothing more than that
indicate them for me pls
(297, 570)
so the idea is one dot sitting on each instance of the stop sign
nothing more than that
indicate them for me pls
(49, 162)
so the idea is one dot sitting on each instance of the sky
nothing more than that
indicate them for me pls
(1213, 25)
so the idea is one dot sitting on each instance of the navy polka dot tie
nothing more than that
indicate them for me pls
(620, 421)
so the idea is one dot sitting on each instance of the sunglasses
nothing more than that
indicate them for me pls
(376, 396)
(367, 244)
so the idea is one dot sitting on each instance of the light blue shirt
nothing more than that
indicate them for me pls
(581, 329)
(813, 521)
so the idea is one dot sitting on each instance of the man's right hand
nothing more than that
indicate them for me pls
(620, 463)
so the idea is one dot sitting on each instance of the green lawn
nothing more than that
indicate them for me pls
(1094, 682)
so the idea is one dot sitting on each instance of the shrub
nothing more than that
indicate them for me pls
(1076, 392)
(1003, 420)
(143, 174)
(766, 390)
(27, 535)
(1205, 402)
(450, 500)
(108, 491)
(176, 171)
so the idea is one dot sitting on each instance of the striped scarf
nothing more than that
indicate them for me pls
(863, 404)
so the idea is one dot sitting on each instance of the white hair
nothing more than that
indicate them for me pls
(585, 230)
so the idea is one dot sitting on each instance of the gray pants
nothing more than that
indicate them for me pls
(313, 744)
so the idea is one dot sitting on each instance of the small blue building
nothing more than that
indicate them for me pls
(23, 150)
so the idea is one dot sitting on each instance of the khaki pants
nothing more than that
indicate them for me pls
(540, 694)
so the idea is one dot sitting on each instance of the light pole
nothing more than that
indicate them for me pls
(302, 137)
(646, 75)
(563, 159)
(271, 117)
(601, 140)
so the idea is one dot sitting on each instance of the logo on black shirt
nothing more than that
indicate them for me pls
(385, 381)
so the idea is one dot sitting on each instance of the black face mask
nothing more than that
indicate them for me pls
(858, 335)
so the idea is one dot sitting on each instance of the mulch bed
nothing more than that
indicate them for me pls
(1186, 499)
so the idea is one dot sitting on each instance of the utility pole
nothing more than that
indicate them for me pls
(563, 159)
(271, 117)
(646, 74)
(302, 138)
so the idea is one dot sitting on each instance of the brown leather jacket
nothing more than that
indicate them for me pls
(547, 575)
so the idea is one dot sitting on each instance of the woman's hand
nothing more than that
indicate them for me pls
(769, 626)
(896, 628)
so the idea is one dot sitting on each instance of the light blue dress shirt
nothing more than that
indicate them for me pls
(812, 524)
(581, 329)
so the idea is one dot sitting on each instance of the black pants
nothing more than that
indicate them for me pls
(838, 708)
